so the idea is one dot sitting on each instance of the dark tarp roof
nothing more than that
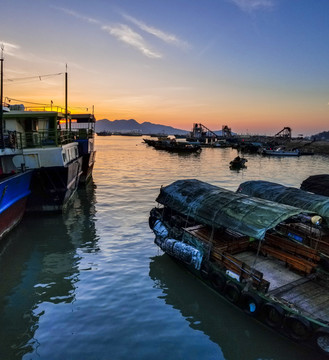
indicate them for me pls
(317, 184)
(83, 118)
(287, 195)
(214, 206)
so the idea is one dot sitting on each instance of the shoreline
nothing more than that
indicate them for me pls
(318, 147)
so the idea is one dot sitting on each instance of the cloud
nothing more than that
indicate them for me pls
(121, 32)
(77, 15)
(252, 5)
(125, 34)
(168, 38)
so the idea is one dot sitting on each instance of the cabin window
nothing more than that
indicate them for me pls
(64, 157)
(31, 125)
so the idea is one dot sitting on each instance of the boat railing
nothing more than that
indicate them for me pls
(58, 109)
(47, 138)
(83, 133)
(13, 140)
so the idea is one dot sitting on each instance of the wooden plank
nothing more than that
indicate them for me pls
(291, 285)
(292, 247)
(315, 238)
(293, 261)
(223, 245)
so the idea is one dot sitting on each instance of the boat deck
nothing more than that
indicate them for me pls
(306, 293)
(273, 270)
(283, 269)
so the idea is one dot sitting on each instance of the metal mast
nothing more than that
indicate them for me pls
(2, 140)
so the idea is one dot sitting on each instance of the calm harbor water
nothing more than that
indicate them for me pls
(91, 284)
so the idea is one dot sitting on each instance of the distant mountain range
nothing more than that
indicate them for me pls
(324, 135)
(132, 126)
(129, 126)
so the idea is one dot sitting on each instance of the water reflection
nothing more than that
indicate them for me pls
(40, 265)
(237, 335)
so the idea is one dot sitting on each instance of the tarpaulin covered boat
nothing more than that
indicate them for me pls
(231, 242)
(217, 207)
(317, 184)
(287, 195)
(314, 236)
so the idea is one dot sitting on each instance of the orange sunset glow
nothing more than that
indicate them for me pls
(246, 72)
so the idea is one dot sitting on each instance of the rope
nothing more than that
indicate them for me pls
(40, 77)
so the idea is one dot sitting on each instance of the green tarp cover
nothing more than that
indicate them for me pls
(317, 184)
(317, 204)
(217, 207)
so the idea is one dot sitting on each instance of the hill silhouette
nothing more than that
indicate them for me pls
(131, 125)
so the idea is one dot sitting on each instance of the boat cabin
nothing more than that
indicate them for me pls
(43, 135)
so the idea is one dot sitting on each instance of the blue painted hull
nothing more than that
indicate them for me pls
(14, 190)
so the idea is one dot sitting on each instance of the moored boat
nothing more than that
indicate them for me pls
(14, 191)
(50, 151)
(317, 184)
(104, 133)
(280, 151)
(84, 127)
(238, 163)
(14, 183)
(314, 235)
(230, 241)
(172, 145)
(150, 142)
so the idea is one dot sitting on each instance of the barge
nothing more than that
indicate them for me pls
(230, 241)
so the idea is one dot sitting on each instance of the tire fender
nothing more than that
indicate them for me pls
(299, 328)
(232, 292)
(272, 314)
(321, 340)
(218, 281)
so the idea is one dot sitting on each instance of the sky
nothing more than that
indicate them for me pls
(254, 65)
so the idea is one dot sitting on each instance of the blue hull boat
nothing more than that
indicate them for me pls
(14, 191)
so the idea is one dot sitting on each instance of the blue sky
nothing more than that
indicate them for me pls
(255, 65)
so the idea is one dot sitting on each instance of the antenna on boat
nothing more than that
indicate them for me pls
(2, 140)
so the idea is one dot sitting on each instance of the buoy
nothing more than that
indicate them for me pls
(250, 303)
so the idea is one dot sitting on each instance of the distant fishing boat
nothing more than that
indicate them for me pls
(280, 152)
(238, 163)
(150, 142)
(104, 133)
(169, 143)
(14, 182)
